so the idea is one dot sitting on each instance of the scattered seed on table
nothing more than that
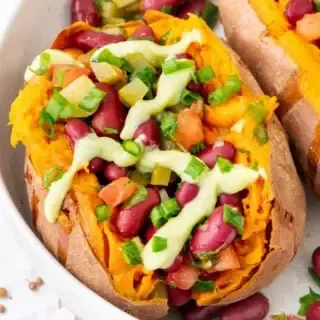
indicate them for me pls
(2, 308)
(39, 282)
(33, 286)
(3, 293)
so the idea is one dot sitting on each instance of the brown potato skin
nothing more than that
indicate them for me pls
(287, 225)
(277, 74)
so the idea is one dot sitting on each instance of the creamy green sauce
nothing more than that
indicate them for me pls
(169, 91)
(178, 229)
(85, 150)
(155, 53)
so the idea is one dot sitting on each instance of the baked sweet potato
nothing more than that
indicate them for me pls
(241, 132)
(286, 65)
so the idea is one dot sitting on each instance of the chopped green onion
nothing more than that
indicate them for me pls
(204, 286)
(198, 147)
(210, 14)
(59, 107)
(147, 75)
(209, 256)
(106, 56)
(205, 74)
(224, 93)
(261, 134)
(108, 130)
(52, 175)
(131, 253)
(157, 218)
(103, 212)
(170, 208)
(306, 301)
(234, 218)
(255, 165)
(257, 111)
(224, 165)
(60, 77)
(168, 125)
(92, 100)
(166, 9)
(159, 244)
(46, 124)
(139, 196)
(164, 38)
(45, 60)
(189, 97)
(132, 147)
(195, 168)
(314, 276)
(174, 65)
(140, 178)
(317, 3)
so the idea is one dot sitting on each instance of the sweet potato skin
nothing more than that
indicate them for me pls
(277, 74)
(287, 225)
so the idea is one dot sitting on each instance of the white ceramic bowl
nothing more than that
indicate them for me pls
(34, 24)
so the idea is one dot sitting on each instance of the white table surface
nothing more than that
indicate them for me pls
(16, 269)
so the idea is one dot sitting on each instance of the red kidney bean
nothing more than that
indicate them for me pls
(214, 235)
(209, 154)
(193, 312)
(296, 10)
(178, 297)
(313, 312)
(130, 221)
(207, 276)
(150, 233)
(255, 307)
(85, 10)
(186, 193)
(316, 261)
(76, 129)
(144, 32)
(113, 172)
(88, 40)
(195, 87)
(159, 4)
(96, 165)
(234, 200)
(150, 132)
(176, 265)
(195, 7)
(110, 114)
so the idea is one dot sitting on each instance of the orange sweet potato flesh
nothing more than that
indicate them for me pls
(276, 203)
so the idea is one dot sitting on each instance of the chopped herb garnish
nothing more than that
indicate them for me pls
(99, 4)
(108, 130)
(204, 286)
(254, 165)
(210, 14)
(92, 101)
(170, 208)
(131, 253)
(52, 175)
(224, 93)
(174, 65)
(139, 196)
(314, 276)
(234, 218)
(157, 218)
(195, 168)
(164, 38)
(147, 75)
(159, 244)
(224, 165)
(205, 74)
(103, 212)
(60, 77)
(46, 124)
(189, 97)
(317, 3)
(166, 9)
(209, 256)
(168, 125)
(257, 111)
(106, 56)
(132, 147)
(306, 301)
(261, 134)
(45, 61)
(198, 147)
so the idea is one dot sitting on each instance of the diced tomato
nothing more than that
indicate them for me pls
(184, 278)
(309, 27)
(228, 260)
(190, 130)
(118, 191)
(63, 75)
